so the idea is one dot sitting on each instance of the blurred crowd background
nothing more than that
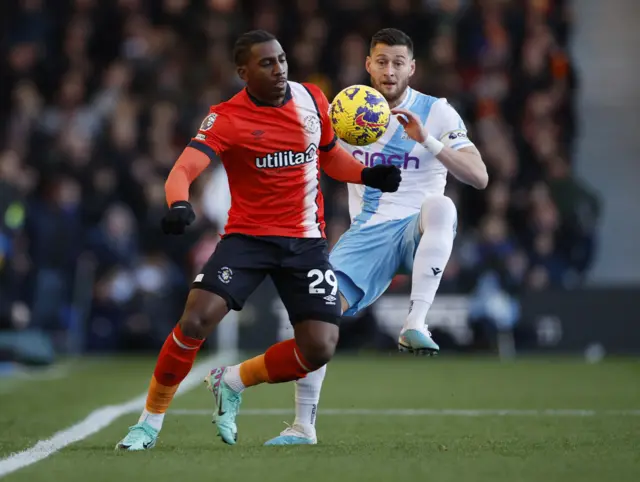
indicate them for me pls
(98, 98)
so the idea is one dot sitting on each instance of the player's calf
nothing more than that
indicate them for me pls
(303, 430)
(282, 362)
(290, 360)
(438, 218)
(204, 310)
(174, 363)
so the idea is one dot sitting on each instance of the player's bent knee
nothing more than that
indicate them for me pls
(319, 348)
(437, 210)
(319, 353)
(193, 325)
(203, 312)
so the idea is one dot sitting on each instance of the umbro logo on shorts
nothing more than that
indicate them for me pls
(330, 299)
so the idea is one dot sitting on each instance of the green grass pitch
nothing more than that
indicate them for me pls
(455, 434)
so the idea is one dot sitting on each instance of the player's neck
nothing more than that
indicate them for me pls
(273, 102)
(395, 103)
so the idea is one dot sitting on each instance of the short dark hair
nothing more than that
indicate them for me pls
(392, 37)
(242, 47)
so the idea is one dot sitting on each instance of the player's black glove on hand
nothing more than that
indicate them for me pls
(383, 176)
(180, 216)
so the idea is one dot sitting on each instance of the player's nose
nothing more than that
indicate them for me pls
(279, 69)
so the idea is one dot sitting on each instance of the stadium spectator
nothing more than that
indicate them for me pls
(98, 99)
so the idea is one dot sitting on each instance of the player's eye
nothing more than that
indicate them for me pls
(381, 63)
(398, 64)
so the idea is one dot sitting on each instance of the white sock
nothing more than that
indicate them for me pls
(417, 315)
(232, 378)
(438, 219)
(308, 396)
(153, 419)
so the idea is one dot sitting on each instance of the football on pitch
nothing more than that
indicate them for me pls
(359, 115)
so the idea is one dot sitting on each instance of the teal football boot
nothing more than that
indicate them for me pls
(295, 435)
(418, 342)
(227, 405)
(141, 436)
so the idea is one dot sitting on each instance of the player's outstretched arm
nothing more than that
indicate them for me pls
(187, 168)
(465, 164)
(342, 166)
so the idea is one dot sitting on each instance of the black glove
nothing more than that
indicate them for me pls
(383, 176)
(180, 216)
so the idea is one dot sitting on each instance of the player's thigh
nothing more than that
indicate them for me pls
(365, 261)
(306, 282)
(236, 268)
(409, 244)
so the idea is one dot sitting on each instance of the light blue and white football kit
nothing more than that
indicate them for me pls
(384, 238)
(385, 230)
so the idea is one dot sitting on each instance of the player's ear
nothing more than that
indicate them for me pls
(242, 73)
(367, 64)
(413, 67)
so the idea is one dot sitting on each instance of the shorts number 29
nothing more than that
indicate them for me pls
(319, 276)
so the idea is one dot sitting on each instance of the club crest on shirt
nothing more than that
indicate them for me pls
(208, 121)
(311, 124)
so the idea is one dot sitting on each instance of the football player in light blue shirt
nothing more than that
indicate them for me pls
(413, 228)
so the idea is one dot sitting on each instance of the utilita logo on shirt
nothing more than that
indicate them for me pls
(287, 158)
(373, 158)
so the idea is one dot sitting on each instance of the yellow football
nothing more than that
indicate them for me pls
(360, 115)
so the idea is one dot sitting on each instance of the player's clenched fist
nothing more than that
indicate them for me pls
(180, 216)
(383, 176)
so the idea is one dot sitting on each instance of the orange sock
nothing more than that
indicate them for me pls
(282, 362)
(254, 371)
(174, 363)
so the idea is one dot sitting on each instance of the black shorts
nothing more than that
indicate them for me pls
(299, 268)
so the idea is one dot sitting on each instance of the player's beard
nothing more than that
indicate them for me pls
(393, 93)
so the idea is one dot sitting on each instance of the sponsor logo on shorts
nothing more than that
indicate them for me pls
(288, 158)
(330, 299)
(225, 274)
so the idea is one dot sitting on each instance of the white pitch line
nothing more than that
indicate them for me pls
(400, 412)
(101, 418)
